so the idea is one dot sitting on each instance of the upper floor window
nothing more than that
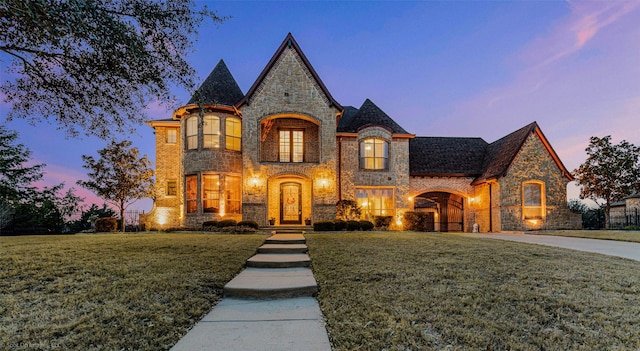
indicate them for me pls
(192, 193)
(291, 145)
(374, 154)
(533, 200)
(211, 193)
(233, 128)
(172, 188)
(192, 133)
(211, 132)
(172, 135)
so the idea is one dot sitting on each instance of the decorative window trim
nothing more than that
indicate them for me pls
(532, 207)
(368, 154)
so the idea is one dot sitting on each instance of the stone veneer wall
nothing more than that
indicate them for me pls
(166, 209)
(206, 160)
(533, 162)
(288, 90)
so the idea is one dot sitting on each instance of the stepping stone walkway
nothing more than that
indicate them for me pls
(268, 306)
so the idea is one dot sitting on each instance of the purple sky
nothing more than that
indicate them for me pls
(472, 69)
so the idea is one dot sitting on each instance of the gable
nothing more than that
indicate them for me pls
(289, 78)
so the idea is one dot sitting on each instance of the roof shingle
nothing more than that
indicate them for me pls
(367, 115)
(446, 156)
(220, 88)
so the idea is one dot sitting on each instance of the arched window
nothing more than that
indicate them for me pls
(233, 129)
(192, 133)
(374, 154)
(211, 132)
(533, 200)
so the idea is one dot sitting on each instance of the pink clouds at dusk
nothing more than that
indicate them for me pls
(478, 69)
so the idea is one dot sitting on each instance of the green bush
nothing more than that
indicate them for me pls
(382, 221)
(106, 224)
(348, 210)
(209, 225)
(366, 225)
(249, 224)
(340, 224)
(353, 225)
(418, 221)
(227, 223)
(632, 227)
(324, 226)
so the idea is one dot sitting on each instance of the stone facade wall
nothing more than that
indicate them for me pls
(166, 209)
(533, 163)
(269, 148)
(288, 91)
(456, 185)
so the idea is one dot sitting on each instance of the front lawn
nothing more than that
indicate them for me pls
(112, 291)
(410, 291)
(619, 235)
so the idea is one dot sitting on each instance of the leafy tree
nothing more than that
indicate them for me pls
(93, 65)
(610, 173)
(119, 176)
(89, 216)
(15, 176)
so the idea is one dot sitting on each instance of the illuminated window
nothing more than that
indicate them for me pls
(232, 194)
(374, 154)
(233, 128)
(375, 201)
(172, 136)
(211, 132)
(291, 146)
(192, 193)
(192, 133)
(533, 200)
(172, 188)
(211, 193)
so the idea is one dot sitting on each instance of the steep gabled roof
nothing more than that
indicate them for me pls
(367, 115)
(289, 41)
(501, 153)
(434, 156)
(220, 88)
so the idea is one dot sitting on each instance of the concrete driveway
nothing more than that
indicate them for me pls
(606, 247)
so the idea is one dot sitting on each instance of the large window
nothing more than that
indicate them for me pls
(192, 193)
(533, 200)
(192, 133)
(291, 145)
(211, 132)
(232, 192)
(233, 128)
(211, 193)
(374, 154)
(375, 201)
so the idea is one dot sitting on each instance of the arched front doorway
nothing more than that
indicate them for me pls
(447, 209)
(291, 203)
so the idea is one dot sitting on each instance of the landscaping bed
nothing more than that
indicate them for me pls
(113, 291)
(410, 291)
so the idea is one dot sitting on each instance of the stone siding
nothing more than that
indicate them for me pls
(456, 185)
(534, 163)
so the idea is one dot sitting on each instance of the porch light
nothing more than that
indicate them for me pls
(254, 182)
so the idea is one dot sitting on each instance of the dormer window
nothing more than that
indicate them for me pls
(374, 154)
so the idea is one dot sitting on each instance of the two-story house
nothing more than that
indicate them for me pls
(286, 151)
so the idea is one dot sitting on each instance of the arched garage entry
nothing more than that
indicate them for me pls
(447, 209)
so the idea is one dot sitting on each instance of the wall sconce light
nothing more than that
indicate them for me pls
(324, 183)
(410, 198)
(254, 182)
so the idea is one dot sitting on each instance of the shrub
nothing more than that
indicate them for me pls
(366, 225)
(348, 210)
(242, 229)
(323, 226)
(106, 224)
(353, 225)
(250, 224)
(632, 227)
(340, 224)
(209, 225)
(227, 223)
(418, 221)
(382, 221)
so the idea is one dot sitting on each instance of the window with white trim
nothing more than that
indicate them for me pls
(172, 135)
(375, 201)
(533, 204)
(233, 130)
(291, 145)
(211, 132)
(211, 193)
(374, 154)
(192, 133)
(232, 191)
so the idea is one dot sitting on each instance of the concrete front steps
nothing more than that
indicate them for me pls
(280, 269)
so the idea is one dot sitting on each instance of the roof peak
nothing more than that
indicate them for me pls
(219, 88)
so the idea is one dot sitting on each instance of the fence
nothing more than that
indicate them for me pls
(630, 217)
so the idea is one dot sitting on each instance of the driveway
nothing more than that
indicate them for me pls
(605, 247)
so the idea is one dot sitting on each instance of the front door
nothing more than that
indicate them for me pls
(290, 207)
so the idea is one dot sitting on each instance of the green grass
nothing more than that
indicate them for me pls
(112, 292)
(619, 235)
(409, 291)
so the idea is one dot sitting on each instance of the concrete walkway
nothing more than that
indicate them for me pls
(268, 306)
(605, 247)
